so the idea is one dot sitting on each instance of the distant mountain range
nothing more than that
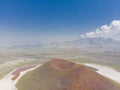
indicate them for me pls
(88, 43)
(93, 43)
(21, 45)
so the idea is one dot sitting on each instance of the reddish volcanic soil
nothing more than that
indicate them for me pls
(60, 64)
(17, 72)
(82, 77)
(59, 74)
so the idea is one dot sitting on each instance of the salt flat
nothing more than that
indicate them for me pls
(106, 71)
(7, 83)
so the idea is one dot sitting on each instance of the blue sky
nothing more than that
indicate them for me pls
(53, 20)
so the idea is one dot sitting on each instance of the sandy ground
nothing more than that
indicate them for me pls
(8, 84)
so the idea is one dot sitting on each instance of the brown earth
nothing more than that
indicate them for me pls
(17, 72)
(59, 74)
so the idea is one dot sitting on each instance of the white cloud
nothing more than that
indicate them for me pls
(106, 31)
